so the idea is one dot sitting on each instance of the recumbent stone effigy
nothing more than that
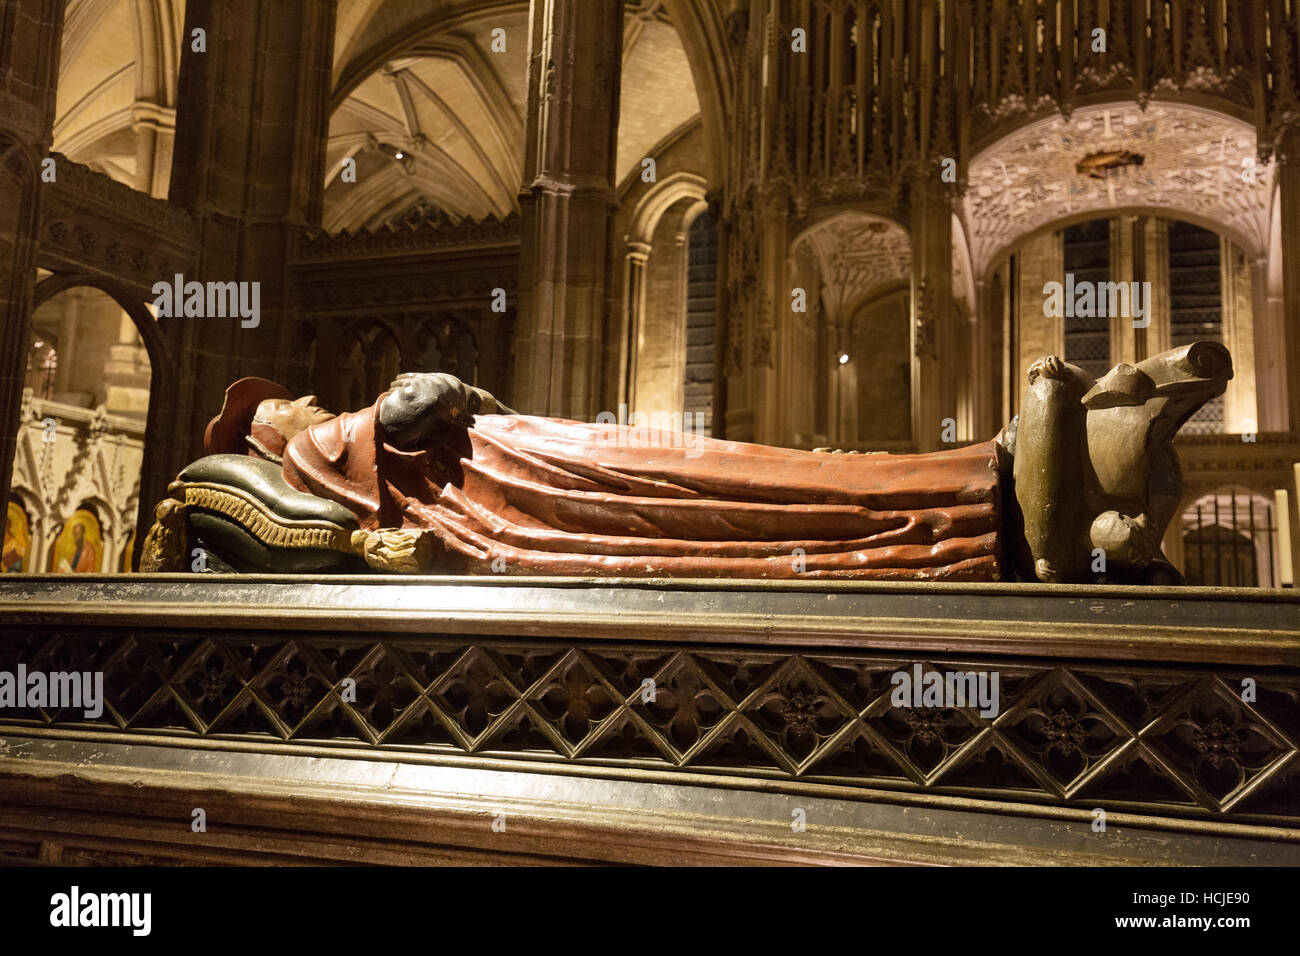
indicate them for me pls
(439, 477)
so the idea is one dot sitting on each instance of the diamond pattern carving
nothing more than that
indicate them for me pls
(1215, 746)
(797, 710)
(573, 699)
(473, 694)
(1063, 729)
(685, 707)
(1149, 738)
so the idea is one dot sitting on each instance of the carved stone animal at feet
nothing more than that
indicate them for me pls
(1097, 479)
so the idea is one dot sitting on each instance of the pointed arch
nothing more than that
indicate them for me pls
(154, 473)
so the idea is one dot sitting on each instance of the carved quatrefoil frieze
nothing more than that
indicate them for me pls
(1152, 737)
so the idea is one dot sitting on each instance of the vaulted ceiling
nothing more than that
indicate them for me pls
(419, 77)
(431, 108)
(1168, 158)
(451, 106)
(857, 256)
(117, 74)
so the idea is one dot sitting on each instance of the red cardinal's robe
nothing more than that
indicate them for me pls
(558, 497)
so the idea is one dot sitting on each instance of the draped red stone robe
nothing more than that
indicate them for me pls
(551, 496)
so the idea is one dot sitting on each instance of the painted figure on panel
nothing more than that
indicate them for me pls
(79, 544)
(124, 561)
(17, 540)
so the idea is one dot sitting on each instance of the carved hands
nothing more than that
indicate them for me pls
(403, 551)
(422, 407)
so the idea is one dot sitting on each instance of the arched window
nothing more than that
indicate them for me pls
(384, 361)
(350, 392)
(1215, 555)
(1128, 287)
(94, 350)
(304, 340)
(881, 344)
(87, 350)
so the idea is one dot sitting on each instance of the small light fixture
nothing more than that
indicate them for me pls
(397, 153)
(844, 358)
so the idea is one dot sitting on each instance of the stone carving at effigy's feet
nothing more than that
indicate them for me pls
(1096, 477)
(439, 477)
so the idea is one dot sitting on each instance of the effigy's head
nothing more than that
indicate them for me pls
(277, 420)
(260, 417)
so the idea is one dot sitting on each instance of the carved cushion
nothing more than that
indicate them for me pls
(264, 481)
(241, 511)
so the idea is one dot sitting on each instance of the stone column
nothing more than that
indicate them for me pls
(934, 392)
(1156, 240)
(770, 314)
(1239, 413)
(1126, 340)
(249, 163)
(1173, 543)
(153, 117)
(253, 110)
(634, 269)
(659, 379)
(719, 318)
(1041, 260)
(680, 266)
(68, 322)
(989, 353)
(566, 204)
(1006, 298)
(842, 391)
(1288, 172)
(1270, 374)
(127, 372)
(155, 132)
(30, 35)
(846, 428)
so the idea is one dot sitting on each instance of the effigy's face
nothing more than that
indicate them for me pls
(291, 417)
